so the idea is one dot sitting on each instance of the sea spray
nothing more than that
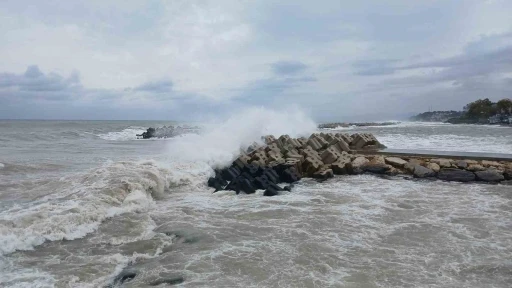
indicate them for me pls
(221, 141)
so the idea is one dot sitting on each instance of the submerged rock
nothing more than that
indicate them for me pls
(452, 174)
(169, 281)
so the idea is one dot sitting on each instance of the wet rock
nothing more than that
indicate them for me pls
(490, 175)
(507, 182)
(461, 164)
(357, 165)
(324, 174)
(168, 281)
(508, 174)
(452, 174)
(375, 166)
(290, 175)
(475, 167)
(434, 167)
(123, 277)
(288, 188)
(396, 162)
(423, 172)
(247, 187)
(271, 192)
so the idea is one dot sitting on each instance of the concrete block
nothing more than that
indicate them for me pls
(330, 155)
(311, 165)
(269, 139)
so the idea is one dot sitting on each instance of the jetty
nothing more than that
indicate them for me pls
(321, 156)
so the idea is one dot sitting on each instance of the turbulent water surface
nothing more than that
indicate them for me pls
(82, 202)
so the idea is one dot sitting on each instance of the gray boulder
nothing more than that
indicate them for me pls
(423, 172)
(461, 164)
(396, 162)
(490, 175)
(452, 174)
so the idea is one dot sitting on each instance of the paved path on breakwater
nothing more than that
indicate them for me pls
(442, 154)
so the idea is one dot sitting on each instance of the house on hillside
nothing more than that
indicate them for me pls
(500, 119)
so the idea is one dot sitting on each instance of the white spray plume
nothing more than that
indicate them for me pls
(221, 141)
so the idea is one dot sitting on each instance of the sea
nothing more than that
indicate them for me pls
(83, 203)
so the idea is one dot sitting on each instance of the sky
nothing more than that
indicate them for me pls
(188, 60)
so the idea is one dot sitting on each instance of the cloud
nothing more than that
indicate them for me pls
(35, 84)
(374, 67)
(288, 67)
(166, 59)
(163, 86)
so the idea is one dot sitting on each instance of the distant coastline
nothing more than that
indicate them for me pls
(481, 111)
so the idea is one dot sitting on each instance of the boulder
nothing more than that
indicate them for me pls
(461, 164)
(396, 162)
(357, 164)
(443, 163)
(470, 161)
(475, 167)
(452, 174)
(490, 175)
(508, 174)
(376, 166)
(434, 167)
(324, 174)
(423, 172)
(270, 192)
(486, 163)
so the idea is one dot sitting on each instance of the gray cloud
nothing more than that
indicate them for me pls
(374, 67)
(288, 67)
(35, 84)
(163, 86)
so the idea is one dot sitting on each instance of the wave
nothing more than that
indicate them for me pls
(124, 135)
(221, 141)
(86, 201)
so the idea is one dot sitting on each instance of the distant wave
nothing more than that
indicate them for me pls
(124, 135)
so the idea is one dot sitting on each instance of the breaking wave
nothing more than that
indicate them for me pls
(221, 141)
(124, 135)
(84, 203)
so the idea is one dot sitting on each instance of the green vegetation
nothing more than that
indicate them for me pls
(475, 112)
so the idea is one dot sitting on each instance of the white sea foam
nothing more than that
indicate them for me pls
(2, 165)
(222, 140)
(90, 199)
(124, 135)
(447, 143)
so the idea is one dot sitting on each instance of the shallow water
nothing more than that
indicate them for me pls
(80, 202)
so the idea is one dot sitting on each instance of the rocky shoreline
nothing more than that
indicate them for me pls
(323, 155)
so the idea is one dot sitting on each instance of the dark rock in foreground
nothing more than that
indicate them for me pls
(452, 174)
(489, 176)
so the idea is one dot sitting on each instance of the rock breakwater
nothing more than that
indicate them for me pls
(323, 155)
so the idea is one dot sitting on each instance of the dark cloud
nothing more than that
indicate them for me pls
(36, 84)
(288, 67)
